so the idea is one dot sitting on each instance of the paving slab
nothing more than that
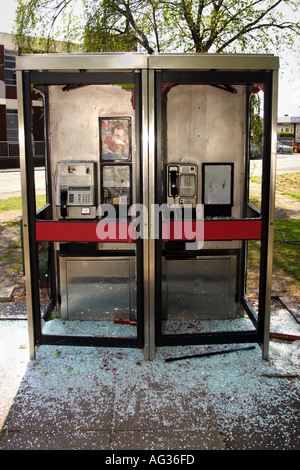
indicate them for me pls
(6, 292)
(166, 440)
(112, 399)
(66, 440)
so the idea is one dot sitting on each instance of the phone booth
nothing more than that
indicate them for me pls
(202, 146)
(147, 218)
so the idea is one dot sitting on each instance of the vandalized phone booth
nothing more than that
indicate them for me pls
(147, 222)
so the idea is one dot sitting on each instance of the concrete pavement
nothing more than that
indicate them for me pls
(284, 164)
(83, 398)
(10, 183)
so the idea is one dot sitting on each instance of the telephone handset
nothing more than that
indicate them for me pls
(174, 183)
(182, 184)
(63, 203)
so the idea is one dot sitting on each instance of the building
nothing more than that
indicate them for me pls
(290, 125)
(9, 144)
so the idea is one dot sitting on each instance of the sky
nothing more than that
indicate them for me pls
(289, 73)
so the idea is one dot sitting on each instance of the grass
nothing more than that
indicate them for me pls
(17, 266)
(286, 254)
(286, 183)
(255, 179)
(287, 247)
(289, 184)
(15, 203)
(286, 251)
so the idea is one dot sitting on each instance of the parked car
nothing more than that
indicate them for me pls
(284, 147)
(255, 150)
(296, 146)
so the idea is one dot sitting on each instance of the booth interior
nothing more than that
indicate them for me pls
(88, 245)
(91, 284)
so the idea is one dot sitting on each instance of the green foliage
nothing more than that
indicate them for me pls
(15, 203)
(288, 135)
(47, 26)
(256, 125)
(101, 35)
(154, 26)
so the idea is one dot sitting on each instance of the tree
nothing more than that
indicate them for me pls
(155, 25)
(256, 126)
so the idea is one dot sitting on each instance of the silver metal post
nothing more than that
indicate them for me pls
(25, 220)
(267, 307)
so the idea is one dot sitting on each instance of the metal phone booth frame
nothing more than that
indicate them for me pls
(78, 92)
(159, 83)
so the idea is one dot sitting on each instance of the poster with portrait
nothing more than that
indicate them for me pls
(115, 139)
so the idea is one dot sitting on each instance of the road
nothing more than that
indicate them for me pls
(10, 181)
(284, 164)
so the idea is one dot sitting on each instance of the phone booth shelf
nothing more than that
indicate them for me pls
(130, 130)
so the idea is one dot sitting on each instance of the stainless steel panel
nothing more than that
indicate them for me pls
(74, 125)
(97, 288)
(78, 62)
(121, 61)
(79, 212)
(208, 125)
(213, 61)
(202, 288)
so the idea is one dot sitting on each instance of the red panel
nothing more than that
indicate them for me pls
(215, 230)
(64, 231)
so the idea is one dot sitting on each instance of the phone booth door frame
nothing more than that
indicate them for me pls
(40, 226)
(228, 70)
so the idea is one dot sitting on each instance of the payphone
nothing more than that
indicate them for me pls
(195, 270)
(182, 184)
(76, 189)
